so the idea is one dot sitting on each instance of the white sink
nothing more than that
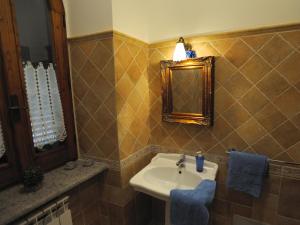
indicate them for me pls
(162, 175)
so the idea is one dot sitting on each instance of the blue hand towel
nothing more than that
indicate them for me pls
(189, 207)
(246, 172)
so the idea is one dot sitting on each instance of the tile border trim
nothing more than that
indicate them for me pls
(202, 37)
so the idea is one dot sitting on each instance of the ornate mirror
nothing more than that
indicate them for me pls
(187, 91)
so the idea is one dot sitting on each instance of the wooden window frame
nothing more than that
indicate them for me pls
(23, 152)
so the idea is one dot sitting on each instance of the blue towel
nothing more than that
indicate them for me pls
(246, 172)
(189, 207)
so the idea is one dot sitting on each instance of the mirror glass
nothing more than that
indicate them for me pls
(187, 90)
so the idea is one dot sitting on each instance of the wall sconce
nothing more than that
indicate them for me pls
(183, 51)
(179, 53)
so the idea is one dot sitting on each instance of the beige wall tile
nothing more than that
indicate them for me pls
(252, 105)
(273, 84)
(292, 37)
(287, 134)
(255, 69)
(257, 41)
(239, 53)
(275, 51)
(289, 199)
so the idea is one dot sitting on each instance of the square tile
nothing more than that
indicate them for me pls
(223, 70)
(223, 100)
(234, 141)
(100, 56)
(255, 69)
(254, 101)
(273, 85)
(88, 46)
(91, 102)
(107, 145)
(237, 85)
(85, 142)
(275, 51)
(289, 200)
(134, 72)
(123, 56)
(206, 140)
(223, 45)
(78, 58)
(251, 131)
(265, 208)
(287, 134)
(124, 86)
(80, 87)
(89, 73)
(294, 152)
(270, 117)
(236, 115)
(239, 53)
(218, 150)
(298, 86)
(102, 88)
(237, 209)
(288, 102)
(181, 137)
(267, 146)
(272, 184)
(257, 41)
(221, 128)
(284, 157)
(104, 117)
(292, 37)
(296, 120)
(289, 68)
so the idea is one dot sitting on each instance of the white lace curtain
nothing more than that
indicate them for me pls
(2, 145)
(46, 114)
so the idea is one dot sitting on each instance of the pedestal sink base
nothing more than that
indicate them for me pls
(168, 213)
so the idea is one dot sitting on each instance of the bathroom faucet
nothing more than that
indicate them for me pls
(181, 161)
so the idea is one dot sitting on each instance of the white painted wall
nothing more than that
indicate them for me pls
(131, 17)
(174, 18)
(88, 16)
(156, 20)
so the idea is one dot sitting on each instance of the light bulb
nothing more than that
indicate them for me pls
(179, 53)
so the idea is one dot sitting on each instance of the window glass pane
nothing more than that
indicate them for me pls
(46, 115)
(34, 29)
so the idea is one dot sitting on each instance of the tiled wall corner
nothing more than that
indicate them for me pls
(132, 96)
(110, 83)
(111, 92)
(93, 77)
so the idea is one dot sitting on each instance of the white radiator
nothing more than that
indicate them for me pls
(56, 214)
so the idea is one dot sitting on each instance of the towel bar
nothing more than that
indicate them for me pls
(274, 160)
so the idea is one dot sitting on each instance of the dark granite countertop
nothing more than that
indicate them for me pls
(15, 204)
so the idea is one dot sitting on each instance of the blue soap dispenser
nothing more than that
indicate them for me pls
(199, 161)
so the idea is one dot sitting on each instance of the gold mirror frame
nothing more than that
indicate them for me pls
(206, 67)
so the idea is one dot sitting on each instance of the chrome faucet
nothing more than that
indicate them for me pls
(181, 161)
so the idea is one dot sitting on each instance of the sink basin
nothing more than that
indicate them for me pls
(162, 175)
